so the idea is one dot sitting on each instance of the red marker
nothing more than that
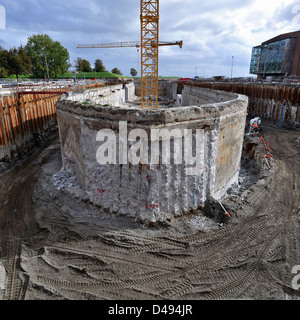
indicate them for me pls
(101, 192)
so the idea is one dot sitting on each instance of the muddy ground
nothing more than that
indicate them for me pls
(55, 245)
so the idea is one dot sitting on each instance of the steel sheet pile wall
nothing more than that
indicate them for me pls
(23, 118)
(265, 100)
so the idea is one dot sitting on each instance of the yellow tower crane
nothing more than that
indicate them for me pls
(149, 45)
(149, 53)
(126, 44)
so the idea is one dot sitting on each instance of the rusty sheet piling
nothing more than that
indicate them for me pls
(22, 116)
(264, 100)
(28, 113)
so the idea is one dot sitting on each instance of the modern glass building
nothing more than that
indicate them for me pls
(277, 57)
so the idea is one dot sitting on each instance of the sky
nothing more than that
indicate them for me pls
(212, 31)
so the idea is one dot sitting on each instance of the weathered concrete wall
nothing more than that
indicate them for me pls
(114, 95)
(71, 146)
(172, 90)
(199, 96)
(160, 191)
(162, 88)
(230, 134)
(165, 88)
(265, 101)
(230, 139)
(130, 92)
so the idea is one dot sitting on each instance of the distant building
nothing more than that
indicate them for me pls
(277, 57)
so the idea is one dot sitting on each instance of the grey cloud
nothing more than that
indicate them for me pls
(209, 39)
(285, 12)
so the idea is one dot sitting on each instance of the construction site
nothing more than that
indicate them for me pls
(150, 189)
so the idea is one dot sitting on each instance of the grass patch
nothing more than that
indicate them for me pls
(21, 77)
(70, 75)
(86, 75)
(90, 75)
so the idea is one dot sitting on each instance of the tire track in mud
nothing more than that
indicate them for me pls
(16, 192)
(292, 201)
(214, 259)
(125, 263)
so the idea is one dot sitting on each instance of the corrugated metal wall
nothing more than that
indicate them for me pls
(22, 116)
(264, 100)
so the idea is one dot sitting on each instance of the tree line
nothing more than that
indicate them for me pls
(83, 65)
(41, 57)
(44, 58)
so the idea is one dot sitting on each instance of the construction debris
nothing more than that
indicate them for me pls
(65, 179)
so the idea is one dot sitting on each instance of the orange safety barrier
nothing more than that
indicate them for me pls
(268, 154)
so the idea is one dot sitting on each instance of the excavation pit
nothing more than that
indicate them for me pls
(152, 165)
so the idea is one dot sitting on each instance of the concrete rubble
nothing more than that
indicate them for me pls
(65, 179)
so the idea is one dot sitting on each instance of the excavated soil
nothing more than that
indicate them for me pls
(55, 245)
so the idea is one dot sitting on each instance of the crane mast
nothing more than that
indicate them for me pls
(149, 53)
(149, 45)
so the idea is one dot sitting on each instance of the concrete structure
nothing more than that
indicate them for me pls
(265, 100)
(114, 95)
(163, 86)
(213, 122)
(278, 56)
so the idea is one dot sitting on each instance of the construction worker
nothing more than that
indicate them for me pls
(255, 125)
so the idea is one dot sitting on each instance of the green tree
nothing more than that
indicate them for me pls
(116, 71)
(3, 72)
(49, 58)
(18, 62)
(83, 65)
(99, 66)
(133, 72)
(3, 63)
